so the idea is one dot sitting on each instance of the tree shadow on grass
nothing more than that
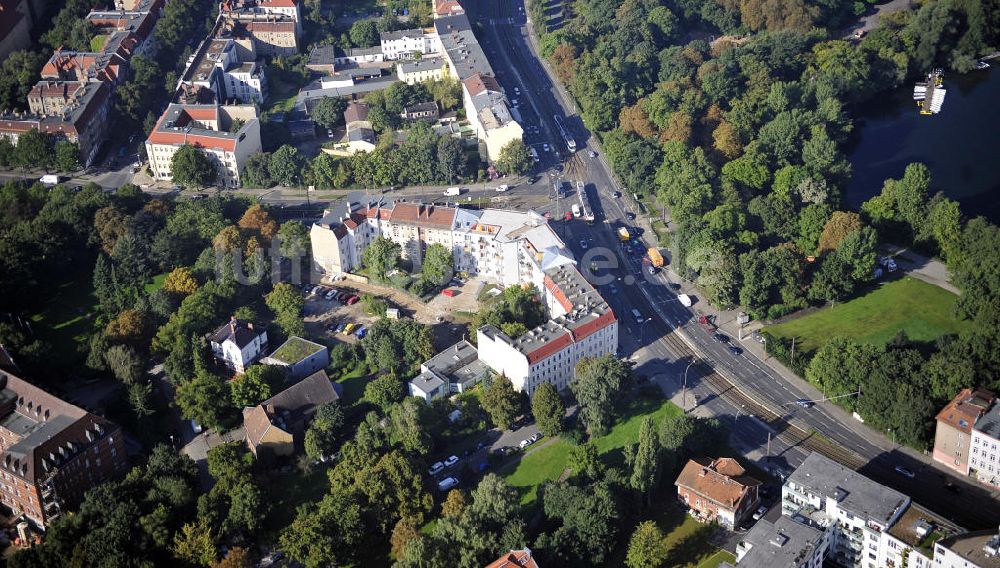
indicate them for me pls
(693, 548)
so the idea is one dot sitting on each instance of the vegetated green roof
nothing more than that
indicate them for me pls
(295, 350)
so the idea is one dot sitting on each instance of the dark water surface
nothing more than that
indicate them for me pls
(960, 145)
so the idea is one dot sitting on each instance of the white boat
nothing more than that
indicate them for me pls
(980, 65)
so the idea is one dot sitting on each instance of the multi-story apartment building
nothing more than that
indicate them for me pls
(134, 25)
(980, 549)
(206, 127)
(406, 44)
(984, 454)
(274, 26)
(413, 71)
(582, 325)
(854, 509)
(77, 112)
(953, 435)
(781, 544)
(507, 247)
(51, 452)
(488, 110)
(229, 69)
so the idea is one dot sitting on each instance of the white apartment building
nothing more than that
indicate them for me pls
(507, 247)
(207, 128)
(229, 69)
(867, 525)
(984, 452)
(980, 549)
(405, 44)
(782, 544)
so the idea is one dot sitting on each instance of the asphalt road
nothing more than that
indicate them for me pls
(669, 336)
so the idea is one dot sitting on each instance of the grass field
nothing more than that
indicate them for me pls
(354, 383)
(922, 310)
(67, 318)
(548, 463)
(156, 283)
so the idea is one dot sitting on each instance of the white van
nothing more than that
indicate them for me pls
(638, 315)
(453, 191)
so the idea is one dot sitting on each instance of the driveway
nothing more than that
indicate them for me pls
(929, 270)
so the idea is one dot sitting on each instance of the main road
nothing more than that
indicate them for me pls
(724, 382)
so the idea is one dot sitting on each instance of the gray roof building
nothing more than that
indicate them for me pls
(400, 34)
(989, 423)
(782, 544)
(452, 370)
(464, 51)
(852, 491)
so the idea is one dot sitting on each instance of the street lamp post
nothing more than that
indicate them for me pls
(685, 385)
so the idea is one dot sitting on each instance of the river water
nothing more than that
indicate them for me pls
(960, 145)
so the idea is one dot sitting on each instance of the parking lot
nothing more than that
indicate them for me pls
(323, 317)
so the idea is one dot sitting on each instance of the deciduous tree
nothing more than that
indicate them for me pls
(548, 409)
(598, 382)
(191, 167)
(501, 402)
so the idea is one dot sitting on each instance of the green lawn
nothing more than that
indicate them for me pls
(922, 310)
(549, 463)
(354, 383)
(156, 283)
(538, 467)
(67, 318)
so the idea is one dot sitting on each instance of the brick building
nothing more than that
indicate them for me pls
(52, 451)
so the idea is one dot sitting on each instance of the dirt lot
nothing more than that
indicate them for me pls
(440, 306)
(319, 314)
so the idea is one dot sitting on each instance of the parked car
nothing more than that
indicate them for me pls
(330, 295)
(452, 460)
(352, 300)
(759, 513)
(449, 292)
(349, 328)
(436, 468)
(316, 290)
(616, 194)
(630, 215)
(583, 244)
(502, 188)
(804, 403)
(535, 437)
(593, 154)
(340, 327)
(447, 483)
(524, 443)
(360, 332)
(905, 472)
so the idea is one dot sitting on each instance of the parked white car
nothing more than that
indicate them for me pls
(436, 468)
(447, 483)
(502, 188)
(452, 460)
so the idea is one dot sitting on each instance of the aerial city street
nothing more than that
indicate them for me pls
(511, 283)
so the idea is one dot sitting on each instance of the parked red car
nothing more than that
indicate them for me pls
(449, 292)
(352, 300)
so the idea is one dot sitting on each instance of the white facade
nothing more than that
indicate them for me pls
(239, 358)
(404, 44)
(246, 83)
(984, 457)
